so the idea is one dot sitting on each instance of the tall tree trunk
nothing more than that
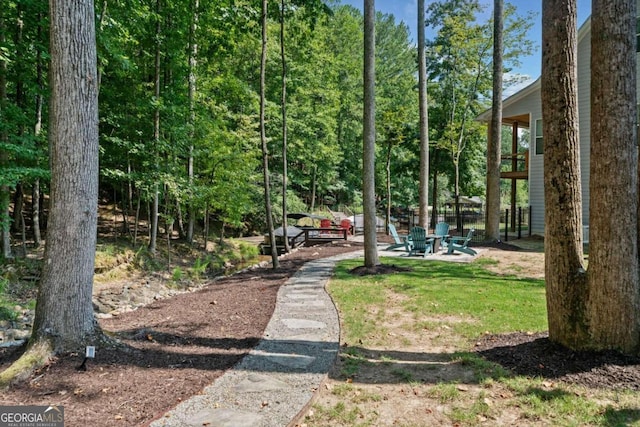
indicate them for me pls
(283, 59)
(492, 209)
(129, 184)
(179, 220)
(44, 214)
(193, 57)
(35, 192)
(23, 235)
(18, 207)
(148, 220)
(19, 67)
(423, 205)
(369, 138)
(564, 270)
(169, 221)
(434, 198)
(263, 140)
(64, 311)
(99, 28)
(125, 210)
(137, 224)
(387, 169)
(18, 215)
(613, 296)
(17, 223)
(156, 133)
(456, 195)
(314, 180)
(169, 215)
(5, 221)
(206, 227)
(35, 213)
(5, 196)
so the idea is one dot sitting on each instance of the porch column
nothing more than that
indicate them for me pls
(514, 167)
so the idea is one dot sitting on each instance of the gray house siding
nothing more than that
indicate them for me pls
(536, 164)
(584, 114)
(528, 101)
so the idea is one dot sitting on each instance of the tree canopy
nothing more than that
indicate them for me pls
(179, 85)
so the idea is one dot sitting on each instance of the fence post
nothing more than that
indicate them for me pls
(529, 220)
(519, 222)
(506, 225)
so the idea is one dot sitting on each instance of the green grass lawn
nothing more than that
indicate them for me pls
(490, 302)
(461, 302)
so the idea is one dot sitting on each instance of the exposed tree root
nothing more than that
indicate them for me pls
(36, 356)
(41, 352)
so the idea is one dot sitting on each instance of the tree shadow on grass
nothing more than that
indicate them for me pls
(620, 417)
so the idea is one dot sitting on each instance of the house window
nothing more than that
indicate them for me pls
(539, 140)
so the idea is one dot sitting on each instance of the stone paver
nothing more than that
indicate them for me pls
(279, 377)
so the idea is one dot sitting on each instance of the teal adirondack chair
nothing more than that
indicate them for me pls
(442, 233)
(399, 241)
(459, 244)
(419, 243)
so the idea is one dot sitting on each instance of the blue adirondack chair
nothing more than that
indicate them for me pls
(442, 233)
(418, 243)
(459, 244)
(399, 241)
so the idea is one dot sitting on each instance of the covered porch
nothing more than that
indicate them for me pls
(514, 166)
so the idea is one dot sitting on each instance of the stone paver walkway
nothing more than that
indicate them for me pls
(279, 377)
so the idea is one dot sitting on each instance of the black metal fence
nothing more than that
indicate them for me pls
(513, 224)
(517, 224)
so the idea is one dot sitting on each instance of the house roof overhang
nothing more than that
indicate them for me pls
(522, 118)
(583, 31)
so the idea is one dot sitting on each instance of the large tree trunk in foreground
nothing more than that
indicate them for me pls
(492, 218)
(613, 298)
(369, 143)
(64, 311)
(564, 271)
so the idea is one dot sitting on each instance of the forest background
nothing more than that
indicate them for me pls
(179, 106)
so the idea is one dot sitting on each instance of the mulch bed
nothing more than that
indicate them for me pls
(534, 355)
(175, 347)
(171, 350)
